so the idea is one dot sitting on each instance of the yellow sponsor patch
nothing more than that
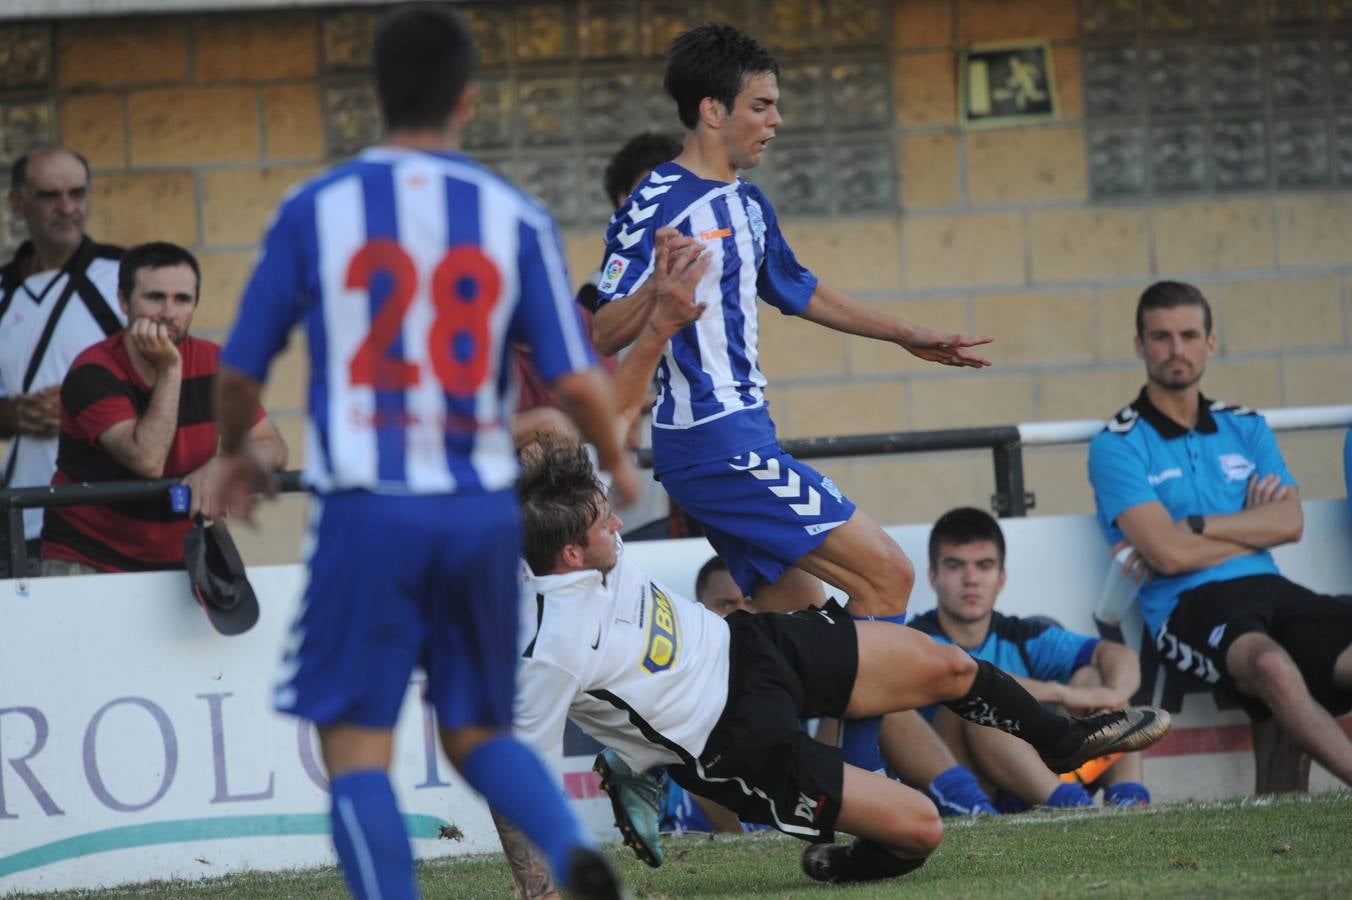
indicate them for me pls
(662, 640)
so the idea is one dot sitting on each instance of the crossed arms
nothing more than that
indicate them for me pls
(1271, 516)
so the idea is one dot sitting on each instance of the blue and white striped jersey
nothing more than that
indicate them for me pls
(710, 404)
(412, 272)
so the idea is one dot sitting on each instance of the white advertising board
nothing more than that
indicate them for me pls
(137, 744)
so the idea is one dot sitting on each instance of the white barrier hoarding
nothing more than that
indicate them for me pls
(137, 744)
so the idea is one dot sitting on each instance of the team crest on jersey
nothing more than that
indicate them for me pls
(660, 654)
(612, 273)
(756, 217)
(1236, 466)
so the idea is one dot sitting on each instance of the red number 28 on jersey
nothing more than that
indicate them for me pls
(466, 286)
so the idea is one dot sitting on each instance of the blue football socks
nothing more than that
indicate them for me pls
(957, 793)
(1067, 796)
(370, 838)
(859, 743)
(517, 785)
(1126, 793)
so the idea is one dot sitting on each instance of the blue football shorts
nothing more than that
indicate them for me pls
(402, 581)
(762, 510)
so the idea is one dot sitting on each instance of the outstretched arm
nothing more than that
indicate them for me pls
(841, 312)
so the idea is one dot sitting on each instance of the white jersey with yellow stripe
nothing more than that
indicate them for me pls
(639, 667)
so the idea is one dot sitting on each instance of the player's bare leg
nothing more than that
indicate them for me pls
(794, 590)
(1342, 670)
(912, 748)
(901, 668)
(368, 833)
(1261, 668)
(860, 559)
(349, 748)
(1007, 762)
(917, 753)
(898, 828)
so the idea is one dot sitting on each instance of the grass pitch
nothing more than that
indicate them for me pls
(1271, 848)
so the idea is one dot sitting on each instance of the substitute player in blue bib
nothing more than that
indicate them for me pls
(1199, 490)
(1078, 672)
(778, 523)
(412, 268)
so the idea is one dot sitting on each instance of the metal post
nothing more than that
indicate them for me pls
(18, 547)
(1010, 499)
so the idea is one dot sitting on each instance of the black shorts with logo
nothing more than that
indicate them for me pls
(757, 761)
(1313, 628)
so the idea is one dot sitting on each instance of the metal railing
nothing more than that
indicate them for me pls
(1006, 443)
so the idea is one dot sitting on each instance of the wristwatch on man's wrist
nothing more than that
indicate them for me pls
(1197, 523)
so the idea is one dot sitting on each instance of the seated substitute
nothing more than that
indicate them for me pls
(715, 589)
(139, 404)
(1199, 490)
(1080, 673)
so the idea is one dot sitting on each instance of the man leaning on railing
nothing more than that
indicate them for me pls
(139, 405)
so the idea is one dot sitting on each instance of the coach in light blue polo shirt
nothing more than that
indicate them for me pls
(1198, 488)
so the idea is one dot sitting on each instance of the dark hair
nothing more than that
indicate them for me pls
(155, 255)
(18, 172)
(424, 58)
(560, 498)
(707, 571)
(712, 60)
(1168, 295)
(642, 153)
(965, 525)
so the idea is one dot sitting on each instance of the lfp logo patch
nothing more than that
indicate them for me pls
(662, 640)
(612, 273)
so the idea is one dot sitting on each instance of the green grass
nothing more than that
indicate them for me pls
(1290, 847)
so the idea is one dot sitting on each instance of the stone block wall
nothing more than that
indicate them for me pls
(195, 124)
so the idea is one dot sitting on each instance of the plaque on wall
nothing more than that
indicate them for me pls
(1010, 83)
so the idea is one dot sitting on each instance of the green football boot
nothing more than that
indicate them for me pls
(636, 798)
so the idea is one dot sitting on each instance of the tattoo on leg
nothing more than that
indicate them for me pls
(529, 868)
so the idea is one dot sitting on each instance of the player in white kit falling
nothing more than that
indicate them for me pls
(662, 680)
(412, 268)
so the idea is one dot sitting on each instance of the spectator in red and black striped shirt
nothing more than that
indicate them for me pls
(139, 405)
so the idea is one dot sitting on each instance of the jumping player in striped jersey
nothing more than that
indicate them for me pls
(778, 523)
(412, 268)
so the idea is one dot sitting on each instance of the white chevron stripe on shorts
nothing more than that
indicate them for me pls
(769, 470)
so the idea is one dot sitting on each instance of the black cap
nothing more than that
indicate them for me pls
(218, 579)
